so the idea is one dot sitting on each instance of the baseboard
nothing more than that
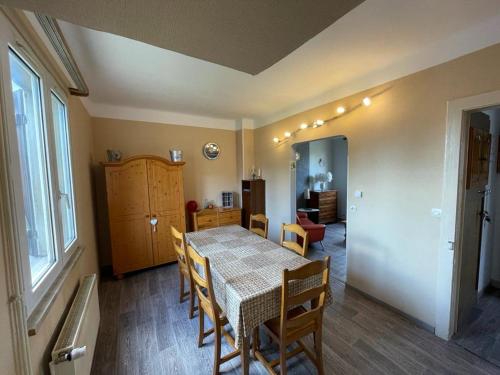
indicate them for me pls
(412, 319)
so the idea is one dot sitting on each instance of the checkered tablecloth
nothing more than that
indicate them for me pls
(247, 274)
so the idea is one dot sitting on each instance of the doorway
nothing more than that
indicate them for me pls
(478, 320)
(321, 198)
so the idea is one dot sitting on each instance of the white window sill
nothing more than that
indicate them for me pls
(41, 310)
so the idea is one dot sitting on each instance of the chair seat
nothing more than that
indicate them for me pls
(274, 324)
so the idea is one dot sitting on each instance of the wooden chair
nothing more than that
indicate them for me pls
(302, 244)
(298, 322)
(184, 271)
(263, 220)
(208, 305)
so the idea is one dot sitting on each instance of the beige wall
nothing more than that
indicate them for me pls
(396, 153)
(248, 152)
(81, 140)
(203, 178)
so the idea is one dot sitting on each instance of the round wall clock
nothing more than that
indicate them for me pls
(211, 151)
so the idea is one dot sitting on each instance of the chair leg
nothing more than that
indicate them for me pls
(181, 286)
(282, 358)
(318, 346)
(322, 247)
(191, 300)
(255, 341)
(201, 315)
(217, 356)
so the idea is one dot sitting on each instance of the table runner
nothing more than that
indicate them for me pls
(247, 274)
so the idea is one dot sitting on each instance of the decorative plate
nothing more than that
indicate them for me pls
(211, 151)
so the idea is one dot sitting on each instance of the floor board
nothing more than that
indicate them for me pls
(482, 335)
(144, 330)
(334, 246)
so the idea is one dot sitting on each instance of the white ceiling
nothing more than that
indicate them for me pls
(378, 41)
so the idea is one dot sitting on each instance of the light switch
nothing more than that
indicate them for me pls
(436, 212)
(358, 194)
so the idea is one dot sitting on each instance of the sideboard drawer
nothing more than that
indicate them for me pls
(230, 217)
(215, 217)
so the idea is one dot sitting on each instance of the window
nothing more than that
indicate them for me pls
(45, 205)
(31, 140)
(66, 200)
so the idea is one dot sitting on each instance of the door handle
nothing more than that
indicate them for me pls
(485, 216)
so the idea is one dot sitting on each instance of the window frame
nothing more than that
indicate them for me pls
(33, 294)
(54, 90)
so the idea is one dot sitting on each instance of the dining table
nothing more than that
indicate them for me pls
(247, 274)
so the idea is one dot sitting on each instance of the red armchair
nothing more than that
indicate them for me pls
(316, 231)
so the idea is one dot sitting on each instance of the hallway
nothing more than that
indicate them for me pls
(335, 246)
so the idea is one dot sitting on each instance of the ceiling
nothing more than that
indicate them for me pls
(248, 36)
(378, 41)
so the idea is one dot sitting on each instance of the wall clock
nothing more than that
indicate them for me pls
(211, 151)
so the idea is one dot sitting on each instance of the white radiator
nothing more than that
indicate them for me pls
(74, 348)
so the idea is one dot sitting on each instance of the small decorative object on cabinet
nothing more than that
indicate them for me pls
(227, 199)
(176, 155)
(114, 155)
(215, 217)
(145, 197)
(253, 199)
(326, 202)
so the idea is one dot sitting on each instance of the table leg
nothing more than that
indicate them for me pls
(245, 355)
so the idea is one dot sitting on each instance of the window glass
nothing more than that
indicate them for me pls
(27, 97)
(66, 201)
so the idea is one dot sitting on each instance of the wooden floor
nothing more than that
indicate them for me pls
(482, 334)
(335, 246)
(144, 330)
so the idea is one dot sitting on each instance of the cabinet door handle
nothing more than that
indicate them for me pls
(153, 222)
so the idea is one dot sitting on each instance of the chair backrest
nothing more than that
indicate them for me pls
(294, 246)
(309, 320)
(202, 279)
(179, 247)
(264, 222)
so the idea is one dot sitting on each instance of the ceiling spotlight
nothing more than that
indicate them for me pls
(304, 125)
(319, 122)
(367, 101)
(315, 125)
(276, 139)
(288, 134)
(340, 110)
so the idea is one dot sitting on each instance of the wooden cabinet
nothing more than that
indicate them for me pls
(326, 202)
(478, 158)
(145, 197)
(215, 217)
(253, 199)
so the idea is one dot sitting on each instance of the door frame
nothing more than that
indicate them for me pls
(293, 187)
(453, 193)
